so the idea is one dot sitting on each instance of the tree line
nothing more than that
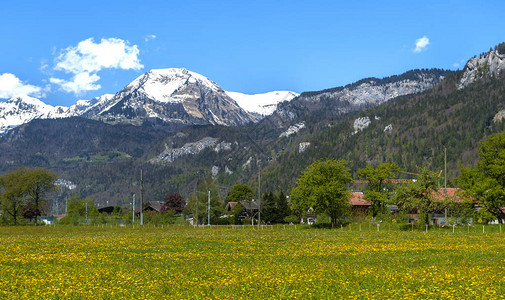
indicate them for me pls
(323, 188)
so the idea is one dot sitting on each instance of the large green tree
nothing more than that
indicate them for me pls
(12, 193)
(486, 181)
(23, 184)
(240, 192)
(379, 184)
(322, 187)
(418, 196)
(39, 182)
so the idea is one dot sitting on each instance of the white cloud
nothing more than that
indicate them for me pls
(150, 37)
(11, 86)
(421, 44)
(80, 83)
(88, 58)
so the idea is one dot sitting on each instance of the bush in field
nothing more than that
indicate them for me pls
(292, 219)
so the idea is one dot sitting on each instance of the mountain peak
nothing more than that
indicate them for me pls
(27, 100)
(173, 95)
(162, 84)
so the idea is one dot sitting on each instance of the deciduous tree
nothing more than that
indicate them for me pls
(486, 181)
(39, 182)
(174, 202)
(418, 196)
(12, 193)
(379, 187)
(240, 192)
(322, 186)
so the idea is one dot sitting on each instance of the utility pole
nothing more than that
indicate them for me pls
(208, 216)
(259, 193)
(141, 198)
(445, 180)
(133, 210)
(86, 211)
(196, 216)
(445, 169)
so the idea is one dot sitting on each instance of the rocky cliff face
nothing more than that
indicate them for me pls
(489, 64)
(359, 95)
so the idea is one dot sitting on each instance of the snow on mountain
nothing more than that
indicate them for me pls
(22, 109)
(163, 84)
(172, 95)
(81, 107)
(262, 104)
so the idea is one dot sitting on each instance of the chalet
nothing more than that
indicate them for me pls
(156, 206)
(250, 209)
(439, 195)
(358, 202)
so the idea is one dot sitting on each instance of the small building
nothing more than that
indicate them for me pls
(358, 202)
(156, 206)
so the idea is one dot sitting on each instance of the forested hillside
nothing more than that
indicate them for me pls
(410, 131)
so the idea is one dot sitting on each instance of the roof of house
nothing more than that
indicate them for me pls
(357, 199)
(251, 205)
(154, 205)
(106, 209)
(443, 193)
(230, 205)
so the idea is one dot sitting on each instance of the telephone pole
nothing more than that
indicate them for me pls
(445, 169)
(141, 198)
(195, 221)
(133, 210)
(259, 193)
(208, 216)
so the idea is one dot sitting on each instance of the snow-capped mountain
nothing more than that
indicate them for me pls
(172, 95)
(262, 104)
(22, 109)
(83, 106)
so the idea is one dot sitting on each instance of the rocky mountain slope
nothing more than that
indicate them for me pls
(360, 95)
(173, 96)
(491, 63)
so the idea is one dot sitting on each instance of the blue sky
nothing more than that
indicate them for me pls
(62, 51)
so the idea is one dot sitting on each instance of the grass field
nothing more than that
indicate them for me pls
(181, 262)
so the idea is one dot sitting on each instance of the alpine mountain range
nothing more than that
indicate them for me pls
(180, 127)
(180, 96)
